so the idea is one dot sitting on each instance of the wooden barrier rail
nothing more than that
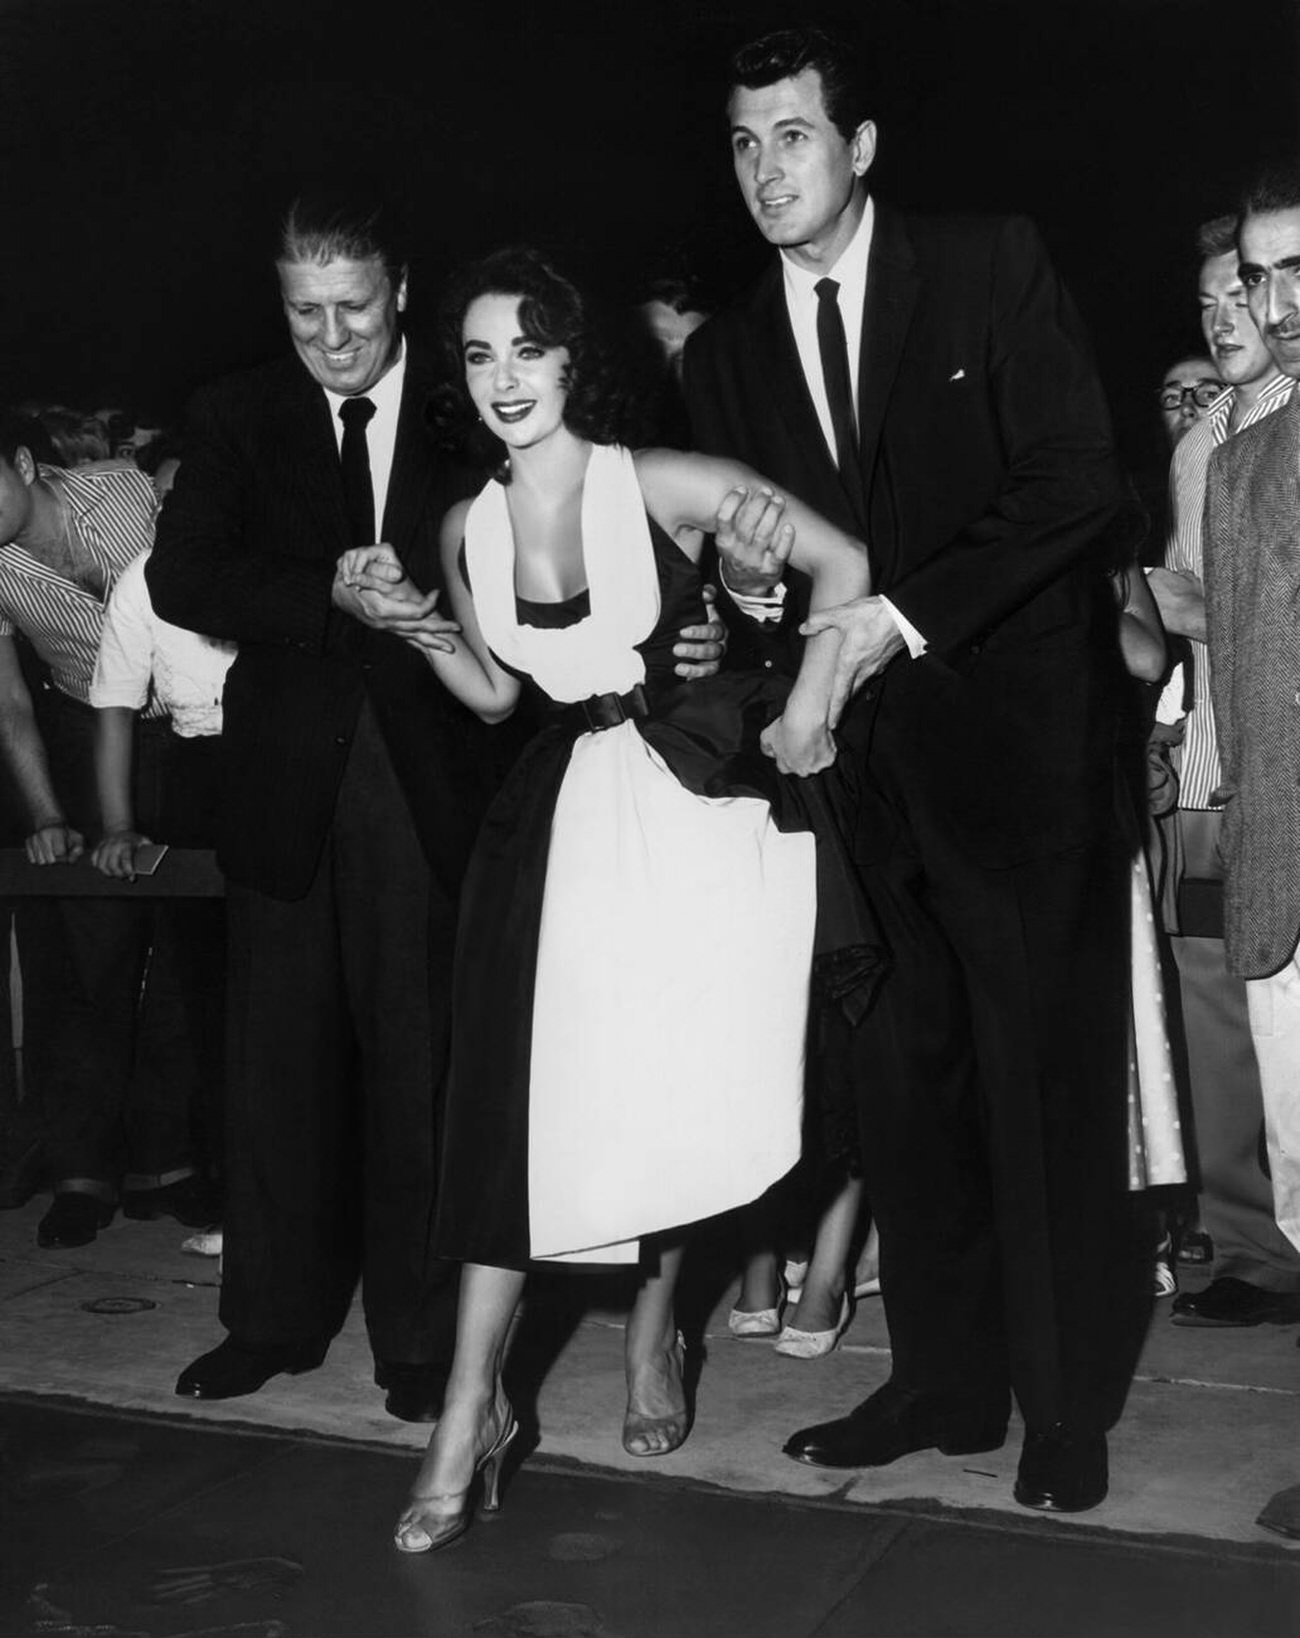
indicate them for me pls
(183, 873)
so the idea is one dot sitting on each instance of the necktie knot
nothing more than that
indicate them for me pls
(827, 290)
(356, 412)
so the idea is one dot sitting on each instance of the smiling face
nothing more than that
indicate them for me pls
(1236, 347)
(517, 385)
(798, 174)
(343, 319)
(1270, 270)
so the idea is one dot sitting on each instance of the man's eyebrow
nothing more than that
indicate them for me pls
(1284, 264)
(781, 124)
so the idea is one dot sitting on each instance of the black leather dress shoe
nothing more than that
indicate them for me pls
(1062, 1472)
(1229, 1301)
(414, 1392)
(231, 1370)
(74, 1219)
(192, 1201)
(893, 1423)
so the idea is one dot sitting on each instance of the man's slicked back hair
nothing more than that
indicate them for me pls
(325, 226)
(787, 52)
(1277, 188)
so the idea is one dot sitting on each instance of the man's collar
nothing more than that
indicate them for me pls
(850, 269)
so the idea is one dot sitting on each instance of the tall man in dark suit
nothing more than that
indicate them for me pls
(925, 384)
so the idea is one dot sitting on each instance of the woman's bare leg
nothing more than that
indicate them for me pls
(822, 1297)
(656, 1399)
(475, 1413)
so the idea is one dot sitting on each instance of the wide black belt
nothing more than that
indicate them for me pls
(605, 710)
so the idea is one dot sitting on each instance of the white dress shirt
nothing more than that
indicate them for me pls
(802, 303)
(144, 661)
(381, 432)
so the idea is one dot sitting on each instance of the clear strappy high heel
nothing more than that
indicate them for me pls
(432, 1522)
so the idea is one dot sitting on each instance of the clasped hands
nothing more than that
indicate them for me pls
(754, 541)
(372, 586)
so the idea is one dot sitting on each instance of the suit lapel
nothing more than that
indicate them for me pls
(892, 285)
(411, 476)
(314, 461)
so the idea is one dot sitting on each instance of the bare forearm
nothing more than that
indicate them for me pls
(461, 673)
(114, 748)
(24, 753)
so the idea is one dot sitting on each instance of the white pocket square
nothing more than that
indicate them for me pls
(957, 375)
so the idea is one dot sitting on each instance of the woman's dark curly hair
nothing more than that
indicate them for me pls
(603, 402)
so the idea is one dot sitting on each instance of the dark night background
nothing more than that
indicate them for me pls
(147, 143)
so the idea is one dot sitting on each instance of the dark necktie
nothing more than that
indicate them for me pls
(835, 373)
(358, 491)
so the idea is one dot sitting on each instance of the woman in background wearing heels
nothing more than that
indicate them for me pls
(613, 1079)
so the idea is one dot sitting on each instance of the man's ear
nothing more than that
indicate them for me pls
(864, 147)
(401, 292)
(25, 465)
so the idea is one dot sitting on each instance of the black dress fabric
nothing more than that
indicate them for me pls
(707, 732)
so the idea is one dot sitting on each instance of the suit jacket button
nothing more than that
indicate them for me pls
(340, 739)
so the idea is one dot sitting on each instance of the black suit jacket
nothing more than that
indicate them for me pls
(246, 548)
(988, 476)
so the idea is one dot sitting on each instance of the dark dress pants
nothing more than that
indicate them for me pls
(338, 1018)
(992, 1104)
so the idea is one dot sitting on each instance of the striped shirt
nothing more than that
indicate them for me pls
(1200, 771)
(111, 508)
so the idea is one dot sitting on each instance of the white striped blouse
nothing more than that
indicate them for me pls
(1199, 773)
(112, 508)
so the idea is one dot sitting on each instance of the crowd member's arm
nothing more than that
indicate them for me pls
(114, 853)
(119, 690)
(1141, 634)
(51, 840)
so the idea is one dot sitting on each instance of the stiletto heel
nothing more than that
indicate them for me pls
(424, 1528)
(673, 1428)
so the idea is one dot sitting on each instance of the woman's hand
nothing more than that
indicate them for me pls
(115, 855)
(372, 568)
(799, 745)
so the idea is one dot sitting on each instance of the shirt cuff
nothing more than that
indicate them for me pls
(765, 607)
(916, 644)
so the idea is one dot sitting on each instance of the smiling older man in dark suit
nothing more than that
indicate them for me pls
(352, 786)
(926, 384)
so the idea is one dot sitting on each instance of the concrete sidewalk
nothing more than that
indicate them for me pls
(1212, 1427)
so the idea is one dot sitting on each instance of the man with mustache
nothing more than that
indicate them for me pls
(1252, 584)
(1252, 573)
(1256, 1269)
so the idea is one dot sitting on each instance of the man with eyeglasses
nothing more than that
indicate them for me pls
(1256, 1270)
(1189, 388)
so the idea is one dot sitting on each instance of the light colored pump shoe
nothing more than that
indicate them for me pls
(797, 1344)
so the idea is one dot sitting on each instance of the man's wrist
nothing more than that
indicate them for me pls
(765, 606)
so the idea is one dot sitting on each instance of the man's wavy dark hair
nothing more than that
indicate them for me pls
(602, 403)
(787, 52)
